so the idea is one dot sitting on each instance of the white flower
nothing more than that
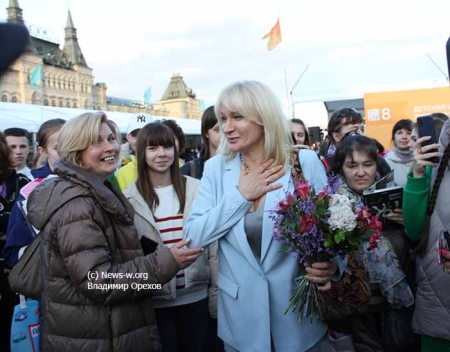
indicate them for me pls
(341, 213)
(340, 200)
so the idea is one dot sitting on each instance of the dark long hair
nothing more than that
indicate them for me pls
(421, 249)
(209, 120)
(158, 134)
(351, 144)
(5, 158)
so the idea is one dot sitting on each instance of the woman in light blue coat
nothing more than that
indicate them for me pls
(250, 174)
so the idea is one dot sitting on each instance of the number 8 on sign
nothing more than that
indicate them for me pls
(385, 114)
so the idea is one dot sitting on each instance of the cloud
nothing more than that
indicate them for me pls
(350, 44)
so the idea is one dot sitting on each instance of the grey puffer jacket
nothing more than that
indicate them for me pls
(432, 313)
(87, 227)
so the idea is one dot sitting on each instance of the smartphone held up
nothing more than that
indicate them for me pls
(426, 128)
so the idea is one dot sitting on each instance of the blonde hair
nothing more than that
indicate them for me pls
(256, 102)
(79, 133)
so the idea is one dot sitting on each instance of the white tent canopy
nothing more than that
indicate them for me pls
(30, 117)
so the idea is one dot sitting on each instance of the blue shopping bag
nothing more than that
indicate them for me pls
(25, 327)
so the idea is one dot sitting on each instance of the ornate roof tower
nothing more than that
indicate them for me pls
(15, 12)
(71, 47)
(177, 89)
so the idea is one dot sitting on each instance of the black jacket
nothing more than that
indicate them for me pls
(194, 168)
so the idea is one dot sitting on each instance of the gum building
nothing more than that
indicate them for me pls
(68, 81)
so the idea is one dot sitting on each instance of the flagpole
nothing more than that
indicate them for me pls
(295, 85)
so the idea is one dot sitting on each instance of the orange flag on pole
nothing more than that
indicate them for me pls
(274, 36)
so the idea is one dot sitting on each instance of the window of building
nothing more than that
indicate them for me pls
(35, 99)
(4, 98)
(14, 100)
(61, 103)
(45, 102)
(75, 105)
(68, 104)
(53, 103)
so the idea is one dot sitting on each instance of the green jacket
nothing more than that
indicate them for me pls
(415, 203)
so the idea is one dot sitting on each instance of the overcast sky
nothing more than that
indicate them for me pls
(352, 46)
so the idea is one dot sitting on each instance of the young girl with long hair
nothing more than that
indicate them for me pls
(161, 198)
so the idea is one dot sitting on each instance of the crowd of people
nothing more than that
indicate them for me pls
(143, 248)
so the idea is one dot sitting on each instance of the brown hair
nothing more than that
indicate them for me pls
(404, 124)
(307, 140)
(5, 158)
(47, 129)
(178, 132)
(209, 120)
(350, 115)
(156, 134)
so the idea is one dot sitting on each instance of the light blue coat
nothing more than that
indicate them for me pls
(253, 295)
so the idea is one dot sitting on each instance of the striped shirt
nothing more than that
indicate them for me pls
(169, 223)
(170, 226)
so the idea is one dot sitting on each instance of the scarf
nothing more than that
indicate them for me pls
(383, 266)
(337, 184)
(405, 156)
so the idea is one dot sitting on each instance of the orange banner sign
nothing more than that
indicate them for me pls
(384, 109)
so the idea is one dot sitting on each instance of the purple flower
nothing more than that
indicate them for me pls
(333, 183)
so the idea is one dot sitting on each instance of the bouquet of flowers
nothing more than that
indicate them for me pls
(319, 228)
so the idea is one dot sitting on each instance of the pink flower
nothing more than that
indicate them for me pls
(375, 224)
(286, 203)
(322, 194)
(364, 213)
(302, 189)
(307, 222)
(373, 241)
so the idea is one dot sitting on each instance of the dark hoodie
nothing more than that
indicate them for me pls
(87, 227)
(19, 231)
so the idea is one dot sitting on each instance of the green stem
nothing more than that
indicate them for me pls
(295, 298)
(311, 301)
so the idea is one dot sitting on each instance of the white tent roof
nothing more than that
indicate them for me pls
(30, 117)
